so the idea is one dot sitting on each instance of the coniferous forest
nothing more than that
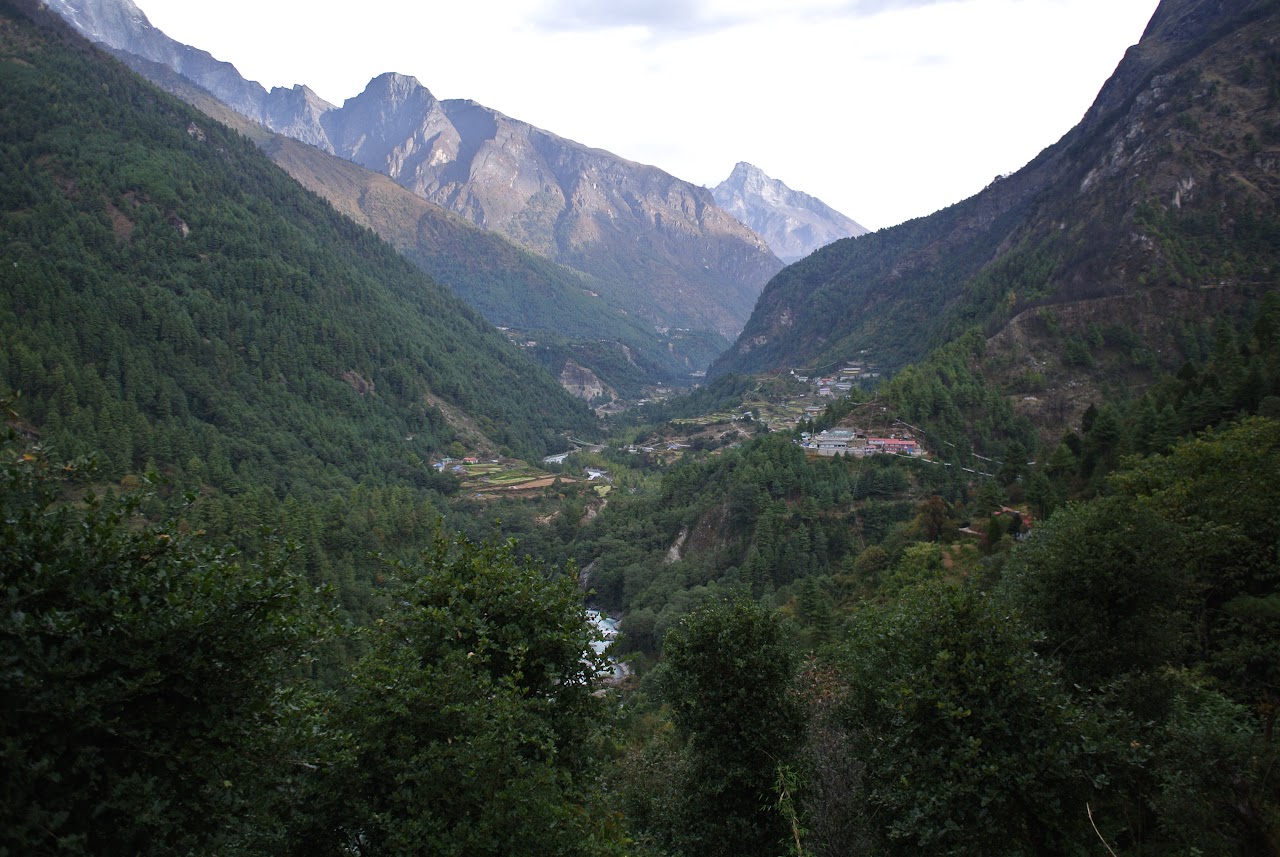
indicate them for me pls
(243, 614)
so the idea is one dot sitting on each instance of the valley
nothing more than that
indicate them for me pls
(320, 503)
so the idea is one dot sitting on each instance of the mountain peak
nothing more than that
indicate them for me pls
(394, 89)
(396, 80)
(792, 222)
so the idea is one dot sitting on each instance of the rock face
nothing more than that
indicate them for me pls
(792, 222)
(582, 382)
(663, 247)
(670, 254)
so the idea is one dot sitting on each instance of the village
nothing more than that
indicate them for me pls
(788, 402)
(841, 382)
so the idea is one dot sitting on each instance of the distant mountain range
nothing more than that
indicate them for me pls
(792, 222)
(659, 248)
(1157, 212)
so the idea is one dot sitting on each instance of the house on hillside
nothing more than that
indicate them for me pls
(838, 442)
(856, 442)
(898, 445)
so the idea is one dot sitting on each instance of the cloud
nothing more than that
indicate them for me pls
(682, 18)
(659, 17)
(863, 8)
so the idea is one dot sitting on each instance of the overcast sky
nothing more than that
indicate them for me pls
(885, 109)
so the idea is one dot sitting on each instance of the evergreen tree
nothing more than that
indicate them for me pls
(729, 680)
(141, 673)
(469, 727)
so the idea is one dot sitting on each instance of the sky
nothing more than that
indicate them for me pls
(886, 110)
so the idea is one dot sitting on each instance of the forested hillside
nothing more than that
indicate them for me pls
(1002, 653)
(190, 658)
(560, 309)
(171, 297)
(1158, 208)
(175, 306)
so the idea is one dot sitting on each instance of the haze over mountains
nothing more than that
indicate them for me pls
(792, 222)
(659, 247)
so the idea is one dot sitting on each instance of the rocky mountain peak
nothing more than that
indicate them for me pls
(395, 88)
(793, 223)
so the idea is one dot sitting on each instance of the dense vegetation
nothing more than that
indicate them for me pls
(142, 317)
(152, 702)
(257, 629)
(969, 689)
(172, 303)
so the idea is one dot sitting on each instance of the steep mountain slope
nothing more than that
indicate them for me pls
(1164, 196)
(171, 297)
(659, 246)
(123, 26)
(561, 309)
(792, 222)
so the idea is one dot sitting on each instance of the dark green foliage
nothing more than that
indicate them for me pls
(730, 681)
(1219, 491)
(778, 519)
(948, 395)
(1158, 604)
(971, 742)
(1108, 584)
(469, 727)
(1208, 778)
(139, 673)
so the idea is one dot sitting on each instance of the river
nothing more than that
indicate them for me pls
(608, 627)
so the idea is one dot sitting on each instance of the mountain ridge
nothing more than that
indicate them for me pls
(1088, 217)
(792, 222)
(561, 309)
(660, 246)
